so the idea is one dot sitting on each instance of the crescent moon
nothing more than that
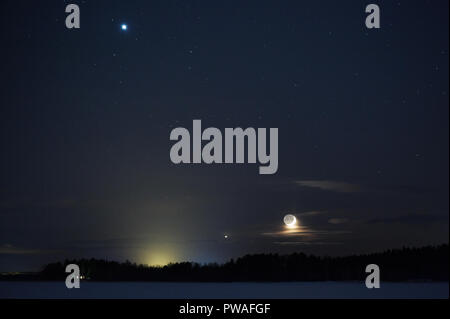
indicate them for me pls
(294, 221)
(290, 220)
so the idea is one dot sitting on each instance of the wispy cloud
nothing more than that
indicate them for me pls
(341, 187)
(311, 213)
(57, 204)
(7, 249)
(337, 221)
(410, 219)
(304, 232)
(306, 243)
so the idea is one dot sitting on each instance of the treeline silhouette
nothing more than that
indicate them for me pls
(407, 264)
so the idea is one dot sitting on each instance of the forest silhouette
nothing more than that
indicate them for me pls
(408, 264)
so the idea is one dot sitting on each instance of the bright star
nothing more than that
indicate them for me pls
(124, 27)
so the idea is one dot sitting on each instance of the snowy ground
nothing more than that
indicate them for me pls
(156, 290)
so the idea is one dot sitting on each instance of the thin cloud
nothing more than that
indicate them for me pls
(305, 243)
(312, 213)
(56, 204)
(304, 233)
(341, 187)
(337, 221)
(411, 219)
(7, 249)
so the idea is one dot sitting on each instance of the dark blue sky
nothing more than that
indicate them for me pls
(86, 115)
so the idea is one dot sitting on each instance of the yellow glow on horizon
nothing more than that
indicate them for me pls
(159, 260)
(159, 255)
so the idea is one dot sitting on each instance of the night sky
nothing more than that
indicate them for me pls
(86, 114)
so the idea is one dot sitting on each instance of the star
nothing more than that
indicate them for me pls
(124, 27)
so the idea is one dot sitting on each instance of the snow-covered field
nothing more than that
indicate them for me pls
(158, 290)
